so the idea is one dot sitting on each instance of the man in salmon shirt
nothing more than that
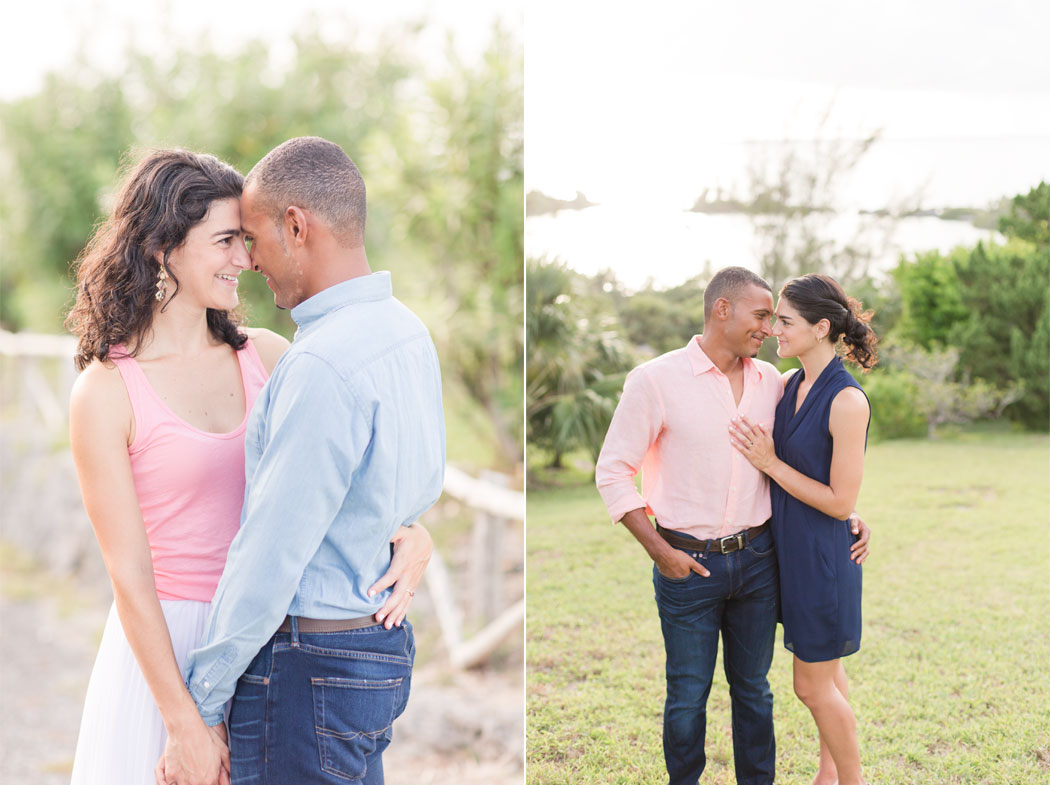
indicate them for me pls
(714, 567)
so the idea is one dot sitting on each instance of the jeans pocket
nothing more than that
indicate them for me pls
(352, 720)
(762, 550)
(669, 579)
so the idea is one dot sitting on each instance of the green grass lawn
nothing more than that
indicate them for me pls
(951, 684)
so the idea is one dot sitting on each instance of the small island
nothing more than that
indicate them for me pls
(539, 203)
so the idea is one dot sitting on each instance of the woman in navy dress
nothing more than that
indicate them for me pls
(815, 460)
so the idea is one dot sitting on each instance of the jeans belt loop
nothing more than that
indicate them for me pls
(295, 631)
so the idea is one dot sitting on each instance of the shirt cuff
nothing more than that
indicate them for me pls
(624, 503)
(211, 720)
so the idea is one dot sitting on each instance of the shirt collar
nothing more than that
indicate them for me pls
(701, 363)
(364, 288)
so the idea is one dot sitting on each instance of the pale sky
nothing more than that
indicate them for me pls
(612, 98)
(40, 35)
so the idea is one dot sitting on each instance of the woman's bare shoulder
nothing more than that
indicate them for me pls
(268, 344)
(850, 403)
(99, 395)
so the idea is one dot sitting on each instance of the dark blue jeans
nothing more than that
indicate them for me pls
(318, 707)
(740, 601)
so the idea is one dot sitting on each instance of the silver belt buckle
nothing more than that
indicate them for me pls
(739, 542)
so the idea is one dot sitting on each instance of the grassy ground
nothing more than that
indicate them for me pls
(950, 685)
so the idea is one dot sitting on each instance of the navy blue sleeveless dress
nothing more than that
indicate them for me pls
(819, 584)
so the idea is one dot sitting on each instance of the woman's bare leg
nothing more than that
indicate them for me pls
(826, 772)
(821, 686)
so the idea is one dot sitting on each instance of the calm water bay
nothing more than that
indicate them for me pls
(652, 236)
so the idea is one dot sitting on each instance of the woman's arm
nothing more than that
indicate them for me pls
(848, 423)
(100, 426)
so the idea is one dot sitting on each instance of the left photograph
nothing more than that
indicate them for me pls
(261, 414)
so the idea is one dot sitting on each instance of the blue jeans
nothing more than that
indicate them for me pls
(740, 600)
(318, 707)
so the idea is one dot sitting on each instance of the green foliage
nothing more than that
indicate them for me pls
(463, 174)
(1005, 336)
(1029, 217)
(931, 300)
(664, 319)
(441, 149)
(577, 363)
(59, 148)
(895, 412)
(915, 386)
(992, 302)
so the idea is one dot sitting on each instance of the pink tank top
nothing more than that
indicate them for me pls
(189, 483)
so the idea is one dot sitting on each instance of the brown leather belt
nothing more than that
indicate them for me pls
(734, 542)
(327, 625)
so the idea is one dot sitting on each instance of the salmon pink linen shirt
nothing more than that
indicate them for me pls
(672, 424)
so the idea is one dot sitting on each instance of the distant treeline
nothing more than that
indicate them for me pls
(440, 148)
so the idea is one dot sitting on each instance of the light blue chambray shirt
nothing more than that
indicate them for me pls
(345, 443)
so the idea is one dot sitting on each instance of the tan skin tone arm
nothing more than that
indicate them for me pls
(848, 425)
(100, 427)
(671, 562)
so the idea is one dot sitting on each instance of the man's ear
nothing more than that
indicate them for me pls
(723, 308)
(296, 225)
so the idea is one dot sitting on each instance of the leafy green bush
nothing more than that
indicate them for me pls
(895, 409)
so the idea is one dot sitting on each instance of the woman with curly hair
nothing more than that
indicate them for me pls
(157, 427)
(815, 459)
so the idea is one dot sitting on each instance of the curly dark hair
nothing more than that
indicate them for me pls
(817, 296)
(162, 197)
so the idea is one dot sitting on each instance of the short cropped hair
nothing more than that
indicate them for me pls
(316, 175)
(728, 283)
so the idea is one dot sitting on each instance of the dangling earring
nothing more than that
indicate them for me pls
(162, 289)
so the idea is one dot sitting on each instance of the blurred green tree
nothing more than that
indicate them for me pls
(931, 300)
(577, 363)
(992, 303)
(1005, 336)
(1029, 217)
(664, 319)
(60, 149)
(440, 146)
(461, 203)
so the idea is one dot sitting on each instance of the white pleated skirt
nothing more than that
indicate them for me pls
(122, 734)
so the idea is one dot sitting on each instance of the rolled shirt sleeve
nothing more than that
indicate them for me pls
(314, 438)
(635, 427)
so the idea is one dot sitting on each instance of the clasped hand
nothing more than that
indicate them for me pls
(197, 756)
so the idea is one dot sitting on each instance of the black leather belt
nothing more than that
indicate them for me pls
(734, 542)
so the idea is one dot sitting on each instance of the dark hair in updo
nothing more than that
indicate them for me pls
(816, 296)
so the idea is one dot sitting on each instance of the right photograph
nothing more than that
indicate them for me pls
(787, 395)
